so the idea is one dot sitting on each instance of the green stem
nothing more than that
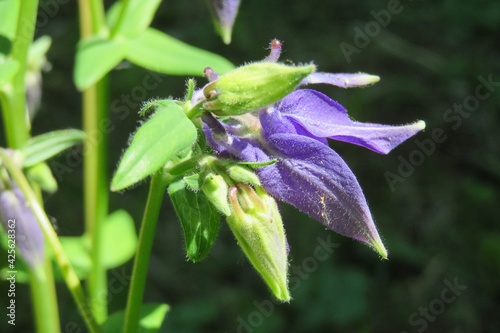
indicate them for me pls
(16, 127)
(44, 298)
(62, 260)
(159, 181)
(95, 180)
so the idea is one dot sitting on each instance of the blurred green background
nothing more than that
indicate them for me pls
(439, 221)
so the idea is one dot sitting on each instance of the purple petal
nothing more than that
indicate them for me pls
(28, 235)
(323, 117)
(313, 178)
(226, 144)
(342, 80)
(224, 13)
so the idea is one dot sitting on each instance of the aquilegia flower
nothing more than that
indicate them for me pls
(303, 171)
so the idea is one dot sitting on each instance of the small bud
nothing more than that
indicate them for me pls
(256, 224)
(40, 173)
(223, 14)
(216, 190)
(253, 87)
(242, 174)
(21, 226)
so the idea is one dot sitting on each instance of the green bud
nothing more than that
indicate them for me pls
(40, 173)
(242, 174)
(252, 87)
(256, 224)
(216, 190)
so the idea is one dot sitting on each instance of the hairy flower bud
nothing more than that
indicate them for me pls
(216, 190)
(253, 87)
(243, 174)
(256, 224)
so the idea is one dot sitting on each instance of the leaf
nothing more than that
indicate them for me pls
(199, 219)
(161, 53)
(152, 316)
(95, 57)
(7, 71)
(8, 23)
(120, 238)
(133, 18)
(167, 132)
(77, 251)
(42, 147)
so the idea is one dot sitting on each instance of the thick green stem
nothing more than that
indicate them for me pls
(159, 181)
(61, 259)
(95, 180)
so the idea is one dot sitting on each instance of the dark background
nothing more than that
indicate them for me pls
(438, 221)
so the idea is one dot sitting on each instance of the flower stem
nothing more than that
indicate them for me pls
(95, 180)
(13, 100)
(159, 182)
(62, 260)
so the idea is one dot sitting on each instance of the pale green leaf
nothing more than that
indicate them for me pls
(132, 17)
(120, 239)
(152, 317)
(161, 53)
(42, 147)
(95, 57)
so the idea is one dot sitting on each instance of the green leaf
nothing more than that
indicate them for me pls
(152, 316)
(9, 10)
(167, 132)
(121, 239)
(7, 71)
(77, 250)
(133, 18)
(199, 219)
(42, 147)
(37, 52)
(161, 53)
(95, 57)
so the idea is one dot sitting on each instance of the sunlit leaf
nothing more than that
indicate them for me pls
(161, 53)
(167, 132)
(120, 239)
(95, 57)
(132, 17)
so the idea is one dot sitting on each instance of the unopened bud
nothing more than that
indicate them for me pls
(242, 174)
(21, 226)
(253, 87)
(216, 190)
(256, 224)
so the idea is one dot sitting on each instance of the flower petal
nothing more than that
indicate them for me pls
(313, 178)
(323, 117)
(342, 80)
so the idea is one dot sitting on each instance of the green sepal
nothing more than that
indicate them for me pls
(164, 134)
(216, 190)
(42, 147)
(199, 219)
(256, 165)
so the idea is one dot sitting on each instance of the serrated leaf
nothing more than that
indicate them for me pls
(133, 18)
(161, 53)
(7, 71)
(152, 316)
(199, 219)
(167, 132)
(42, 147)
(121, 239)
(95, 57)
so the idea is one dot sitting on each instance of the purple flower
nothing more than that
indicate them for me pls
(307, 173)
